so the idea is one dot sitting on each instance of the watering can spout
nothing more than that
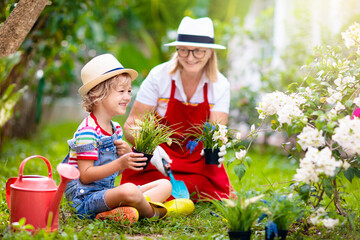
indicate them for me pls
(67, 173)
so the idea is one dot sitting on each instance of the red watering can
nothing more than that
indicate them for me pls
(37, 198)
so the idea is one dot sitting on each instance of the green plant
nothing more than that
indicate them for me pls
(149, 133)
(212, 136)
(239, 212)
(283, 210)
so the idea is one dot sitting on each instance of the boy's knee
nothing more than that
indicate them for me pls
(132, 193)
(165, 184)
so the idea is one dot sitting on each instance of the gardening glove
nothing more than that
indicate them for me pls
(221, 155)
(156, 160)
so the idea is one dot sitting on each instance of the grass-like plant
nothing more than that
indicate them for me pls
(240, 213)
(149, 133)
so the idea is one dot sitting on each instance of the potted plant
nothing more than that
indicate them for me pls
(149, 133)
(281, 212)
(240, 214)
(213, 137)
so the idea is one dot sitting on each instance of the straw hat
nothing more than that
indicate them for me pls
(101, 68)
(196, 32)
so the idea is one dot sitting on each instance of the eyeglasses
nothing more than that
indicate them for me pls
(197, 53)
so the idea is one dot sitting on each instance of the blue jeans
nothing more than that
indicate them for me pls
(88, 199)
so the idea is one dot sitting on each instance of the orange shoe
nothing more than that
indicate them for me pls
(120, 214)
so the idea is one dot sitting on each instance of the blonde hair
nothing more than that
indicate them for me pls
(211, 67)
(102, 90)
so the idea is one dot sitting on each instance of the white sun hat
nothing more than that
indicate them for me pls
(101, 68)
(197, 33)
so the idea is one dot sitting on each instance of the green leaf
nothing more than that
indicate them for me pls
(304, 192)
(357, 172)
(349, 173)
(240, 170)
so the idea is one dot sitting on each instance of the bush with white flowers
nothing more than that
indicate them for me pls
(319, 113)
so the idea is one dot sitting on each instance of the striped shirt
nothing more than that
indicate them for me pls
(89, 131)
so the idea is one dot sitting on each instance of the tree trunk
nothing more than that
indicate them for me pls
(16, 27)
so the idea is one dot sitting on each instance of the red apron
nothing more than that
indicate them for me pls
(207, 181)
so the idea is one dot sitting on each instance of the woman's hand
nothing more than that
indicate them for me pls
(122, 147)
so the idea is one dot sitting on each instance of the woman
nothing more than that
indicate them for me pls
(186, 91)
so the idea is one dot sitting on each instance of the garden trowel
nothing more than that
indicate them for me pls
(179, 189)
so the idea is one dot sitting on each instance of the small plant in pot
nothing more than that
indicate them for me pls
(281, 212)
(213, 137)
(149, 133)
(241, 213)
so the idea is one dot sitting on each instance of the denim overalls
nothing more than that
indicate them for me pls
(88, 199)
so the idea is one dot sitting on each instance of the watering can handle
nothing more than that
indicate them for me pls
(31, 157)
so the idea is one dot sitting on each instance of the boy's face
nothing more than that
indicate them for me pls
(118, 99)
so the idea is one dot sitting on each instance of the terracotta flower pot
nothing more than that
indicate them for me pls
(239, 235)
(211, 157)
(148, 156)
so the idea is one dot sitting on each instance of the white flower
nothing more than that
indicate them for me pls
(347, 134)
(238, 136)
(311, 137)
(330, 223)
(315, 163)
(346, 165)
(351, 35)
(357, 101)
(314, 219)
(252, 129)
(272, 102)
(288, 112)
(241, 154)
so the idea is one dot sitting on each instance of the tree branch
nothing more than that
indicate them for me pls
(16, 27)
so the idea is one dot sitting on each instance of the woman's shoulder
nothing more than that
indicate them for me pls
(161, 69)
(221, 81)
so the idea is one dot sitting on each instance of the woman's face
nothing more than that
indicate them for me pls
(193, 59)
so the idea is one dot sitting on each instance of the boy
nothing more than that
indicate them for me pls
(106, 92)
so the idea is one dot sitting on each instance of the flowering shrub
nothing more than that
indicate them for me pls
(319, 114)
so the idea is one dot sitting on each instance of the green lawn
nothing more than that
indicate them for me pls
(270, 169)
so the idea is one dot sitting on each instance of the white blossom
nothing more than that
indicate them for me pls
(330, 223)
(241, 154)
(311, 137)
(357, 101)
(346, 165)
(271, 103)
(351, 35)
(347, 134)
(315, 163)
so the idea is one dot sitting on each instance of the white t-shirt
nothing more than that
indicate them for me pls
(155, 90)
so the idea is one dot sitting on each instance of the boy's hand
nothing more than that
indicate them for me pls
(133, 161)
(122, 147)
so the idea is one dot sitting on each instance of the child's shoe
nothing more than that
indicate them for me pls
(120, 214)
(180, 206)
(159, 209)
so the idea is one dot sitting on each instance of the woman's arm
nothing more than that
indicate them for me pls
(218, 117)
(137, 111)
